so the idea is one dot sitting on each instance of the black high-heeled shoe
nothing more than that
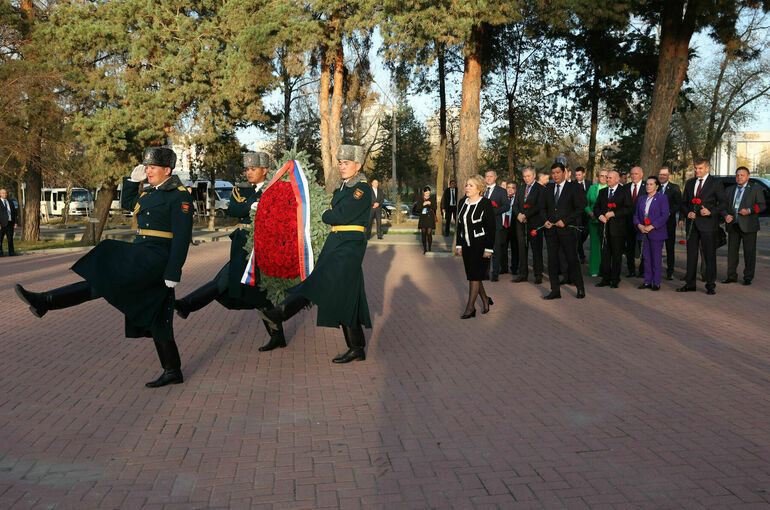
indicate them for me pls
(489, 303)
(468, 315)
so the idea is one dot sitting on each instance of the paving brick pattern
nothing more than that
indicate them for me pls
(626, 399)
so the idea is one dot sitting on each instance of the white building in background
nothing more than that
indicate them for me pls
(747, 148)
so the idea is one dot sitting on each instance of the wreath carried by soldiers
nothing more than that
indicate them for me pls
(288, 233)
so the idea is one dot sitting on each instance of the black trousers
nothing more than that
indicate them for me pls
(670, 244)
(451, 212)
(632, 247)
(708, 241)
(612, 258)
(375, 215)
(735, 236)
(582, 238)
(511, 241)
(498, 250)
(7, 232)
(566, 238)
(526, 241)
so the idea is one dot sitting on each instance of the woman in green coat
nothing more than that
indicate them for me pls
(336, 284)
(595, 257)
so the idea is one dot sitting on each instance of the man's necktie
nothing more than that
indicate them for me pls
(700, 185)
(526, 192)
(633, 198)
(489, 192)
(556, 196)
(738, 198)
(612, 193)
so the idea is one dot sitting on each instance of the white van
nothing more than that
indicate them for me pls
(53, 199)
(200, 189)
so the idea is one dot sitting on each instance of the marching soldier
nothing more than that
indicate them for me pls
(226, 287)
(336, 285)
(138, 278)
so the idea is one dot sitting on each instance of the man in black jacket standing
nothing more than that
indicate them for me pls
(509, 228)
(564, 204)
(633, 245)
(449, 205)
(7, 221)
(582, 184)
(613, 205)
(498, 196)
(703, 204)
(674, 195)
(744, 203)
(376, 213)
(530, 216)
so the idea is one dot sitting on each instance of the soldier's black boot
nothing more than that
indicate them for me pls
(196, 299)
(169, 360)
(354, 337)
(276, 336)
(56, 299)
(287, 308)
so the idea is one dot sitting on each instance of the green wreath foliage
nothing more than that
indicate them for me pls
(319, 202)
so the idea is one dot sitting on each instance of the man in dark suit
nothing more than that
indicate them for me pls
(529, 206)
(674, 195)
(612, 207)
(449, 205)
(7, 221)
(564, 204)
(744, 203)
(376, 212)
(582, 184)
(633, 246)
(509, 230)
(499, 199)
(703, 204)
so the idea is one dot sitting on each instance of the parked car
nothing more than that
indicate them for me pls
(389, 207)
(729, 180)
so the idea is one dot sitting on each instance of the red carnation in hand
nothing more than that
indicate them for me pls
(533, 232)
(611, 205)
(682, 242)
(696, 201)
(494, 203)
(526, 206)
(756, 208)
(647, 221)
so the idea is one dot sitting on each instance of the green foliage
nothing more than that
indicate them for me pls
(319, 202)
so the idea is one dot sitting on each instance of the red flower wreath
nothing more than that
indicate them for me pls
(275, 232)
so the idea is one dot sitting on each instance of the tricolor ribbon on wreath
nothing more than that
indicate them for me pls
(299, 186)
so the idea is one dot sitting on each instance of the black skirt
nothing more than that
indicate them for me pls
(476, 266)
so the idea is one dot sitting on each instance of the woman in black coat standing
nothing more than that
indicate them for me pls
(426, 210)
(475, 241)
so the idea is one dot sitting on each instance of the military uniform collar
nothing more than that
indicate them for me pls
(169, 184)
(359, 177)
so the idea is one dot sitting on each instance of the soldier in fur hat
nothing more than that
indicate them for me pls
(226, 287)
(336, 285)
(138, 278)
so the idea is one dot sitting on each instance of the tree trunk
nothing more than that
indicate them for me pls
(65, 215)
(323, 106)
(212, 200)
(676, 32)
(594, 125)
(440, 177)
(469, 111)
(335, 121)
(511, 141)
(95, 226)
(34, 185)
(20, 201)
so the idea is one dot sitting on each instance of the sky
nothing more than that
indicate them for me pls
(425, 104)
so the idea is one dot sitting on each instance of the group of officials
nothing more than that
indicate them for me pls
(138, 278)
(636, 220)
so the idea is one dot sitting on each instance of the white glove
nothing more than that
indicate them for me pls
(170, 284)
(254, 206)
(138, 174)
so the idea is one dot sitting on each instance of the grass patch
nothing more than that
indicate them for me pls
(44, 244)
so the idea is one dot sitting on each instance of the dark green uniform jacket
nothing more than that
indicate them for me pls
(232, 293)
(130, 276)
(336, 284)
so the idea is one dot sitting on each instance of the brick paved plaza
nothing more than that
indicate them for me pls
(627, 399)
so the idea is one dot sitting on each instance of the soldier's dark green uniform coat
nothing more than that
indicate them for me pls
(336, 284)
(130, 276)
(233, 294)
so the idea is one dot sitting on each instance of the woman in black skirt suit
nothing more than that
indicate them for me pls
(475, 241)
(426, 210)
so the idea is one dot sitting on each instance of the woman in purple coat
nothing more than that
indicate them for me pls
(650, 220)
